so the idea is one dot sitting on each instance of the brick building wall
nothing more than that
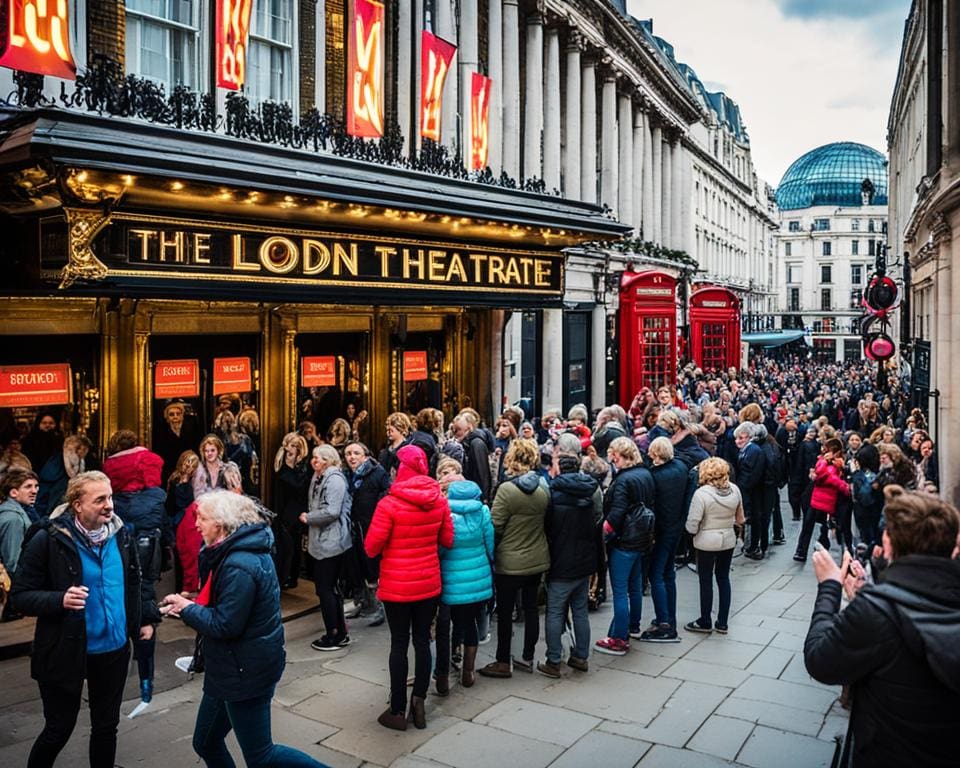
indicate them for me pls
(106, 30)
(308, 54)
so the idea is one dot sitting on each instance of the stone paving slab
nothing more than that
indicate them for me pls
(470, 745)
(683, 713)
(771, 662)
(788, 694)
(602, 749)
(725, 651)
(712, 674)
(537, 721)
(372, 743)
(787, 718)
(671, 757)
(768, 747)
(788, 641)
(721, 736)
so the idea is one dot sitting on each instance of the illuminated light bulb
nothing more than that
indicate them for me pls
(128, 180)
(176, 186)
(82, 176)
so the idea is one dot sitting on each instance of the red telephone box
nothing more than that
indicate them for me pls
(648, 332)
(715, 328)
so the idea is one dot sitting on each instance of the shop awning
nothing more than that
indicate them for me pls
(772, 339)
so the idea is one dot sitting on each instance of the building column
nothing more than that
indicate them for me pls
(608, 142)
(686, 190)
(552, 362)
(639, 188)
(533, 92)
(495, 73)
(598, 357)
(666, 211)
(510, 136)
(417, 33)
(625, 160)
(677, 199)
(320, 59)
(469, 57)
(647, 192)
(551, 110)
(588, 132)
(656, 191)
(571, 119)
(405, 95)
(445, 27)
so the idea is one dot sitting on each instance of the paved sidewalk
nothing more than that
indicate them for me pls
(741, 699)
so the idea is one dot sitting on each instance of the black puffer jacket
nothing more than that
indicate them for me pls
(896, 645)
(576, 508)
(367, 486)
(290, 491)
(630, 487)
(670, 481)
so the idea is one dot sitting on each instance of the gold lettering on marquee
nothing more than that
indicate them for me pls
(513, 272)
(495, 270)
(279, 255)
(144, 235)
(310, 249)
(456, 268)
(478, 259)
(201, 245)
(408, 262)
(526, 263)
(542, 272)
(435, 269)
(340, 258)
(384, 252)
(239, 252)
(176, 243)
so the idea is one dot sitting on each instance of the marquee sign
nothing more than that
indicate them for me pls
(29, 385)
(231, 374)
(365, 69)
(414, 366)
(319, 371)
(233, 32)
(479, 120)
(35, 37)
(436, 58)
(176, 378)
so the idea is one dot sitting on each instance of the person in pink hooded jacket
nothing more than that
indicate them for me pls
(828, 486)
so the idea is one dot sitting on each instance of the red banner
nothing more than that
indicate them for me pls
(34, 385)
(365, 35)
(231, 374)
(436, 58)
(36, 38)
(319, 372)
(479, 120)
(233, 34)
(176, 378)
(414, 366)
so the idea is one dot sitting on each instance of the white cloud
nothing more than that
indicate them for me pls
(800, 81)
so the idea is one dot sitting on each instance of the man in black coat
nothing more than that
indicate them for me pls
(895, 644)
(80, 575)
(751, 464)
(476, 454)
(790, 437)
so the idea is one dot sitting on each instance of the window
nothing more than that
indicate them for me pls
(824, 350)
(793, 299)
(855, 225)
(856, 298)
(825, 299)
(821, 225)
(788, 249)
(826, 273)
(871, 247)
(855, 247)
(270, 61)
(856, 274)
(871, 227)
(162, 40)
(794, 273)
(714, 347)
(826, 248)
(852, 350)
(657, 346)
(793, 226)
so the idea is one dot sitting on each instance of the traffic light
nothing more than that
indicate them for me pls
(879, 299)
(881, 295)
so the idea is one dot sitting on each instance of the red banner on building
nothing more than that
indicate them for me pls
(35, 37)
(231, 374)
(176, 378)
(22, 385)
(319, 372)
(365, 35)
(479, 120)
(414, 366)
(233, 34)
(436, 58)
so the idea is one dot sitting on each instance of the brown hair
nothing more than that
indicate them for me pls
(920, 523)
(429, 420)
(522, 456)
(214, 441)
(400, 422)
(751, 412)
(121, 440)
(187, 457)
(14, 479)
(833, 445)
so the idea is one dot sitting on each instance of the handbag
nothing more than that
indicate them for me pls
(712, 540)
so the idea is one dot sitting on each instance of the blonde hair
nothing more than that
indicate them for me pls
(214, 441)
(751, 412)
(327, 454)
(400, 422)
(339, 432)
(522, 456)
(447, 463)
(77, 485)
(230, 510)
(714, 471)
(302, 449)
(669, 421)
(625, 448)
(661, 448)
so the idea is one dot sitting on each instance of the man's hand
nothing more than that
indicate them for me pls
(146, 632)
(825, 568)
(303, 518)
(854, 578)
(75, 598)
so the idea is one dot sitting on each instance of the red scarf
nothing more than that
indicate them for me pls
(205, 595)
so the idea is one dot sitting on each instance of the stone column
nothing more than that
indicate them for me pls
(647, 217)
(686, 212)
(406, 100)
(533, 91)
(625, 160)
(677, 198)
(415, 97)
(639, 186)
(495, 73)
(656, 146)
(445, 27)
(468, 57)
(552, 363)
(608, 142)
(551, 110)
(511, 90)
(320, 60)
(571, 119)
(666, 215)
(588, 132)
(598, 357)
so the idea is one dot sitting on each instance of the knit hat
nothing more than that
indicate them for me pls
(413, 459)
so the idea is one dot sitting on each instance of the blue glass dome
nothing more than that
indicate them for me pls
(832, 175)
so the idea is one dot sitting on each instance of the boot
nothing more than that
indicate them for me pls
(395, 721)
(467, 676)
(417, 715)
(443, 685)
(146, 691)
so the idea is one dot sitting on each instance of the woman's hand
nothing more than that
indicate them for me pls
(146, 632)
(173, 604)
(303, 518)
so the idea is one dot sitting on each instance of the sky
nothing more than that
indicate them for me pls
(804, 72)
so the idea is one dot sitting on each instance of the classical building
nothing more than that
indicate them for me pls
(832, 205)
(924, 145)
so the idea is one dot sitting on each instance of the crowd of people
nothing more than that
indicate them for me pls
(447, 527)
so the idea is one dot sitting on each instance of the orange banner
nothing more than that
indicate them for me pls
(414, 366)
(34, 385)
(233, 34)
(176, 378)
(479, 120)
(436, 58)
(365, 35)
(231, 374)
(36, 37)
(319, 372)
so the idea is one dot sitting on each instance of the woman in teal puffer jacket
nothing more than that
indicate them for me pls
(466, 569)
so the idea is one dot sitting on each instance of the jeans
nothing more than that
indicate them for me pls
(626, 579)
(250, 721)
(560, 594)
(867, 523)
(326, 577)
(144, 652)
(443, 638)
(466, 621)
(811, 517)
(794, 495)
(772, 503)
(844, 520)
(507, 587)
(663, 578)
(708, 565)
(759, 519)
(402, 618)
(106, 676)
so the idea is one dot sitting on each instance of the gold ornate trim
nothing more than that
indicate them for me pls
(83, 225)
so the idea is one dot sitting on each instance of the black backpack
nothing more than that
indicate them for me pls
(638, 526)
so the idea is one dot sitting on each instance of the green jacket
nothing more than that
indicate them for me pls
(14, 522)
(518, 514)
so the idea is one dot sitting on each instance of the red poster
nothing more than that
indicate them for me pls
(176, 378)
(414, 366)
(231, 374)
(233, 31)
(319, 372)
(365, 35)
(36, 37)
(436, 58)
(34, 385)
(479, 120)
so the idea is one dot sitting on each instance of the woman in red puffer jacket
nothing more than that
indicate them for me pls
(407, 527)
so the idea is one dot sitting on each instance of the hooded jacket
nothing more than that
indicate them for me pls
(407, 525)
(518, 518)
(14, 522)
(466, 571)
(328, 517)
(896, 645)
(631, 486)
(828, 486)
(241, 629)
(716, 509)
(669, 505)
(367, 486)
(133, 469)
(576, 508)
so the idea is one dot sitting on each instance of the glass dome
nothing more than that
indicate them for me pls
(832, 175)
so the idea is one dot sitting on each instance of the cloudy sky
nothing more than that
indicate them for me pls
(804, 72)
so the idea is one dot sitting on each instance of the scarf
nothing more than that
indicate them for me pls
(96, 537)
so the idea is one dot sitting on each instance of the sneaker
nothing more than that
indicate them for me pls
(549, 668)
(694, 626)
(721, 628)
(353, 613)
(523, 665)
(613, 646)
(778, 540)
(184, 664)
(799, 558)
(754, 554)
(327, 643)
(636, 633)
(662, 634)
(485, 639)
(692, 566)
(582, 665)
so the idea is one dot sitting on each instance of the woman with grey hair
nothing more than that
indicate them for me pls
(329, 535)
